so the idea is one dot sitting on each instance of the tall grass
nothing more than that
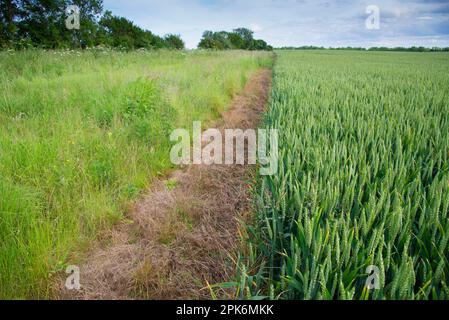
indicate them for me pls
(81, 134)
(363, 179)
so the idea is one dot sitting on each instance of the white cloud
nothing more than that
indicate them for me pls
(255, 27)
(294, 22)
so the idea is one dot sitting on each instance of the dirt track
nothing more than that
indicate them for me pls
(184, 230)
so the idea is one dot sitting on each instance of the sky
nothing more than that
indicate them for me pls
(328, 23)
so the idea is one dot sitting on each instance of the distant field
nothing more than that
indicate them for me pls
(82, 134)
(363, 179)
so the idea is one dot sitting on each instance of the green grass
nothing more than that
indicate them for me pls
(81, 134)
(363, 179)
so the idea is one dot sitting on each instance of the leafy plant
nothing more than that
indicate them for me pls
(363, 180)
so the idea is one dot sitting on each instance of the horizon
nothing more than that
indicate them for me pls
(295, 23)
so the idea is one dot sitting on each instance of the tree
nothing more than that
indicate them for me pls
(247, 37)
(9, 9)
(11, 13)
(41, 23)
(259, 45)
(174, 41)
(207, 41)
(236, 40)
(120, 32)
(241, 38)
(90, 11)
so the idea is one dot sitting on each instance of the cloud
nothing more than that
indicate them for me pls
(296, 22)
(255, 27)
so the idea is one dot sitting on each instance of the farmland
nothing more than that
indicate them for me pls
(82, 134)
(363, 179)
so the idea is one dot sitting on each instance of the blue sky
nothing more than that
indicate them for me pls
(295, 22)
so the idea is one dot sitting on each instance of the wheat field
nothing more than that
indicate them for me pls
(363, 180)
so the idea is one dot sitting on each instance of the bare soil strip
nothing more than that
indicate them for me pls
(184, 231)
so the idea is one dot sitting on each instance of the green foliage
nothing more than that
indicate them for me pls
(89, 135)
(119, 32)
(28, 23)
(174, 41)
(399, 49)
(241, 39)
(148, 113)
(34, 23)
(363, 179)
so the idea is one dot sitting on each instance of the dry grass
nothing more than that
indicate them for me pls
(183, 232)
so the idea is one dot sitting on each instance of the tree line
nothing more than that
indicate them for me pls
(42, 24)
(240, 38)
(405, 49)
